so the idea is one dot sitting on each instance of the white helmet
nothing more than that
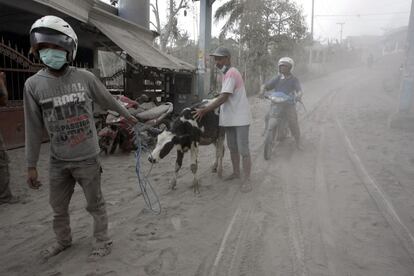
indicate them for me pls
(54, 30)
(287, 61)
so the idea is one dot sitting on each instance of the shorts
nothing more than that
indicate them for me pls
(238, 139)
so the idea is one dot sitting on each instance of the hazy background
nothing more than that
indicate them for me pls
(361, 17)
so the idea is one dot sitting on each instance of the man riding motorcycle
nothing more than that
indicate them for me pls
(287, 83)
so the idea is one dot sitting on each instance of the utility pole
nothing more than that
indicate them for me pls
(404, 118)
(311, 46)
(340, 32)
(409, 66)
(203, 44)
(313, 16)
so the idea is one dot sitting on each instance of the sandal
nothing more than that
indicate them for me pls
(101, 250)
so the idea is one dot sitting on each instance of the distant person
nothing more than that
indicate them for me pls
(5, 193)
(59, 98)
(234, 116)
(287, 83)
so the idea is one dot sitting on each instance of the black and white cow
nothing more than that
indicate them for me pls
(187, 134)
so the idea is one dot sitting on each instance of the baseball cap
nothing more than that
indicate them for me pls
(221, 52)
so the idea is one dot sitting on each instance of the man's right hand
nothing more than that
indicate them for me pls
(32, 179)
(261, 92)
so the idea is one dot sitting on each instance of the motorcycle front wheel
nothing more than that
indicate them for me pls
(269, 143)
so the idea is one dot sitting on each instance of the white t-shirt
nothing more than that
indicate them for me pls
(236, 110)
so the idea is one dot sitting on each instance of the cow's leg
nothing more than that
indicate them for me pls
(194, 166)
(220, 153)
(178, 164)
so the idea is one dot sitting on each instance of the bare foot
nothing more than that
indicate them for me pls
(232, 177)
(52, 250)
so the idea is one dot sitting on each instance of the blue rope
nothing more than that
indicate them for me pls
(150, 196)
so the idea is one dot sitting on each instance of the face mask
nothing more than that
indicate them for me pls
(223, 69)
(53, 58)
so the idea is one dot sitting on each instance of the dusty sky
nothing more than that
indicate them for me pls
(361, 17)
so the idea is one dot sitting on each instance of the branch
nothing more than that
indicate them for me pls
(180, 6)
(153, 25)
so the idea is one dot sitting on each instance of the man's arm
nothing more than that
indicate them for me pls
(3, 90)
(33, 127)
(268, 86)
(33, 135)
(102, 96)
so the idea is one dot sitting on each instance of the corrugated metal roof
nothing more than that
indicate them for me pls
(78, 9)
(135, 40)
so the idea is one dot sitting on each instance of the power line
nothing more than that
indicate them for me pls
(360, 14)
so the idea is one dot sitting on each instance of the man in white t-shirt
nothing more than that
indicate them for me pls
(235, 115)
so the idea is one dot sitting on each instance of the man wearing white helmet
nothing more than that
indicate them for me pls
(287, 83)
(59, 98)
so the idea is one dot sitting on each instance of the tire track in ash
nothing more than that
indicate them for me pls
(295, 233)
(241, 247)
(295, 226)
(380, 198)
(378, 195)
(234, 244)
(335, 265)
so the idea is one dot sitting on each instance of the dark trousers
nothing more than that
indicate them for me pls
(292, 119)
(63, 177)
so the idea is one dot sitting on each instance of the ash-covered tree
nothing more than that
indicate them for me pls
(265, 31)
(183, 48)
(169, 33)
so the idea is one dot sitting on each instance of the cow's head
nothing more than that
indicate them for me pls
(165, 143)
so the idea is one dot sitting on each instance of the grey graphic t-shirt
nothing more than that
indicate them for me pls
(64, 106)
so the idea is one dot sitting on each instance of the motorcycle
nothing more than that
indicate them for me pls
(277, 129)
(118, 134)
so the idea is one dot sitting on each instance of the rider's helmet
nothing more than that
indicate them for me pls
(54, 30)
(287, 61)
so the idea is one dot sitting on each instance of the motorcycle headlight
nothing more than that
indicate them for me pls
(277, 99)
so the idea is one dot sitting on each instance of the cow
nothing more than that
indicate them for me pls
(185, 134)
